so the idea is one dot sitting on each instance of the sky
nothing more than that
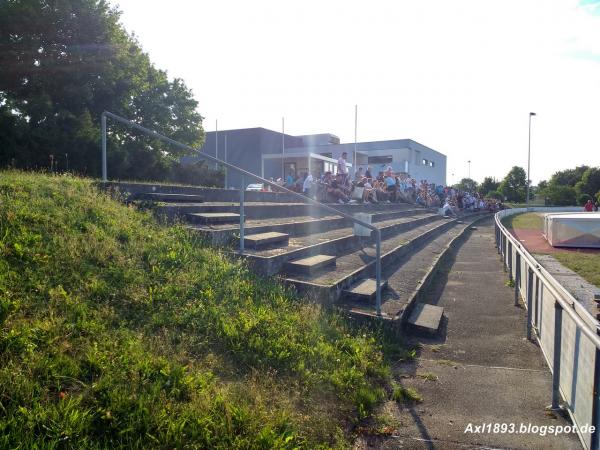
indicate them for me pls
(458, 76)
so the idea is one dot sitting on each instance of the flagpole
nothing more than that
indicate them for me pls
(216, 140)
(354, 165)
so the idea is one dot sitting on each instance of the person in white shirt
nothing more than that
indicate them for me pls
(308, 179)
(341, 166)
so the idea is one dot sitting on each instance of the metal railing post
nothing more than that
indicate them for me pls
(595, 444)
(517, 278)
(538, 298)
(529, 301)
(509, 261)
(556, 360)
(242, 191)
(104, 170)
(378, 272)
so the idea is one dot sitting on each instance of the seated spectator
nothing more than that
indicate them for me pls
(390, 184)
(334, 188)
(448, 209)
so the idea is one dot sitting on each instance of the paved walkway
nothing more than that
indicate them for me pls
(484, 370)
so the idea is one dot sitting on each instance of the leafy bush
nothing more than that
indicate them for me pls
(117, 332)
(560, 195)
(495, 194)
(583, 198)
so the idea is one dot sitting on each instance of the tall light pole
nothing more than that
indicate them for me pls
(283, 150)
(469, 161)
(354, 165)
(529, 159)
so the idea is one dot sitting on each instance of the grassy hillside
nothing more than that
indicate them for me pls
(118, 332)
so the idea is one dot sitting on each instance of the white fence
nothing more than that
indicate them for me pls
(567, 333)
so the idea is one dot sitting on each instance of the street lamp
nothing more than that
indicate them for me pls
(469, 161)
(529, 160)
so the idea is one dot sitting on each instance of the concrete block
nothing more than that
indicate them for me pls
(262, 239)
(311, 264)
(425, 318)
(208, 218)
(364, 290)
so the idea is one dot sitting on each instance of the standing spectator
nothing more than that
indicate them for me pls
(596, 205)
(341, 166)
(589, 206)
(368, 173)
(308, 179)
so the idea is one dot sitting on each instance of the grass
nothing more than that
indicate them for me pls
(406, 394)
(585, 264)
(527, 221)
(117, 332)
(428, 376)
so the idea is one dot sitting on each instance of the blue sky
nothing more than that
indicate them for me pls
(460, 77)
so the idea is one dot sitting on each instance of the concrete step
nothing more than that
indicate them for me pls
(296, 226)
(173, 198)
(364, 290)
(332, 242)
(425, 319)
(263, 239)
(410, 277)
(209, 218)
(262, 210)
(311, 264)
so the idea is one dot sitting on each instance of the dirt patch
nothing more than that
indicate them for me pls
(535, 242)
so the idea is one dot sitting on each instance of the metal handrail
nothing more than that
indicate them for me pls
(563, 301)
(245, 173)
(566, 300)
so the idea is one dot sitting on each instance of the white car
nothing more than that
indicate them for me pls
(255, 187)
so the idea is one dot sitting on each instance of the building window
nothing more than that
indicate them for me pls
(426, 162)
(380, 160)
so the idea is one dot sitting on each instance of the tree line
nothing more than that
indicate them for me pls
(565, 187)
(64, 62)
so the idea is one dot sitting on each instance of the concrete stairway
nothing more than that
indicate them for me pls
(319, 253)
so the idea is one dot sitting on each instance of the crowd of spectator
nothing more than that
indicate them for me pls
(386, 187)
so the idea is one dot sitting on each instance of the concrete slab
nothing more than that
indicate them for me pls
(364, 290)
(477, 395)
(311, 264)
(425, 318)
(221, 217)
(485, 370)
(263, 239)
(165, 197)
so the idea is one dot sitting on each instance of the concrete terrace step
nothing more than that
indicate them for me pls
(311, 264)
(221, 234)
(166, 197)
(337, 241)
(263, 239)
(425, 319)
(215, 217)
(406, 279)
(258, 210)
(364, 290)
(358, 264)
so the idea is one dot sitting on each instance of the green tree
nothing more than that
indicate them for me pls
(489, 184)
(568, 177)
(467, 185)
(494, 194)
(63, 63)
(558, 195)
(590, 182)
(514, 185)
